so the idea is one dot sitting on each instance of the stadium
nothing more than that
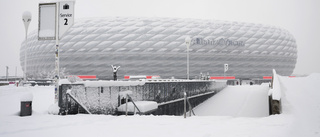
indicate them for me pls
(156, 46)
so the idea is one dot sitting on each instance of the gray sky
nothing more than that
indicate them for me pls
(300, 17)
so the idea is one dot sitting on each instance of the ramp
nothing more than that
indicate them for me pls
(238, 101)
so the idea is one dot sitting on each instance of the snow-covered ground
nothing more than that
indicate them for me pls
(239, 101)
(300, 117)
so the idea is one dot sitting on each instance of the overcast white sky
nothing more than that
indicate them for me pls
(300, 17)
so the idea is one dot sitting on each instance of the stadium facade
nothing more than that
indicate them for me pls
(156, 46)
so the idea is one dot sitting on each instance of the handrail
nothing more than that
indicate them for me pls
(190, 108)
(181, 99)
(186, 99)
(75, 99)
(132, 103)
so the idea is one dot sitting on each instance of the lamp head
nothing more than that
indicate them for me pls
(26, 18)
(188, 41)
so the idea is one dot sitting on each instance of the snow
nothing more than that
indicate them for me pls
(300, 117)
(301, 100)
(46, 33)
(123, 94)
(54, 109)
(26, 97)
(276, 91)
(144, 106)
(101, 83)
(237, 101)
(76, 100)
(110, 83)
(43, 97)
(64, 81)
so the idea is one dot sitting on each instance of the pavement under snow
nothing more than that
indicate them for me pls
(300, 117)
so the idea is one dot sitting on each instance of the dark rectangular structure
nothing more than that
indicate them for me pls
(103, 97)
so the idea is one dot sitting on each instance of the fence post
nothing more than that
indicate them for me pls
(185, 105)
(190, 109)
(127, 105)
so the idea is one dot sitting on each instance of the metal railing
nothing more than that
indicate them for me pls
(134, 104)
(105, 99)
(186, 100)
(76, 100)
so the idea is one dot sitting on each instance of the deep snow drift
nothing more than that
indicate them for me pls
(239, 101)
(300, 117)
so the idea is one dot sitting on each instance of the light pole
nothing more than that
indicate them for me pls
(7, 72)
(188, 42)
(26, 18)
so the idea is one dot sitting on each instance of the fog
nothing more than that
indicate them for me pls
(300, 18)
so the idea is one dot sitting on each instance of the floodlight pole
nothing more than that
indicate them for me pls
(57, 77)
(188, 41)
(25, 58)
(188, 71)
(26, 18)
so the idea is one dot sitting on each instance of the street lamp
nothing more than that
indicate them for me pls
(188, 42)
(26, 18)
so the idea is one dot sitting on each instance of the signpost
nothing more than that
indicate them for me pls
(54, 20)
(47, 21)
(66, 17)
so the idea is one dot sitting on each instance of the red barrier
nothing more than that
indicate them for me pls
(267, 77)
(88, 77)
(229, 77)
